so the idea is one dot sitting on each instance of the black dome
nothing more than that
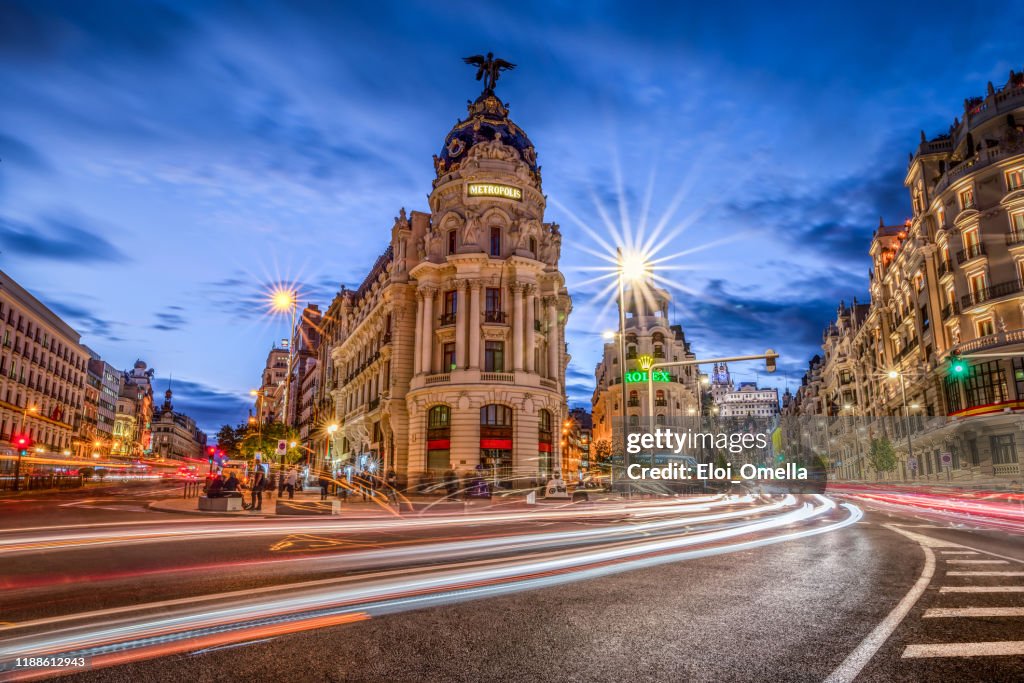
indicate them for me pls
(488, 118)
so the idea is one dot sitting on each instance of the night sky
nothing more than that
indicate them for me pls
(160, 164)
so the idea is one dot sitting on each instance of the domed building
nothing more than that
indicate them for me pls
(451, 354)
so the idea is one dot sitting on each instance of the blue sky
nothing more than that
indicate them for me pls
(160, 162)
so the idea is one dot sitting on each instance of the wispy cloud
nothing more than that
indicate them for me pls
(57, 239)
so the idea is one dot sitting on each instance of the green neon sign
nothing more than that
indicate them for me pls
(641, 376)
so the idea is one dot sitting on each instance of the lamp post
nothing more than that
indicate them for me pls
(893, 374)
(331, 428)
(286, 301)
(633, 267)
(24, 415)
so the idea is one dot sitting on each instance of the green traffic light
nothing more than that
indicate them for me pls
(959, 367)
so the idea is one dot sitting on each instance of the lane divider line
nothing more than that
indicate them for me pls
(991, 649)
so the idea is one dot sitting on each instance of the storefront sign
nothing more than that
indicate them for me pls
(495, 190)
(641, 376)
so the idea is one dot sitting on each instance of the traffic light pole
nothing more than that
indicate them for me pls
(17, 470)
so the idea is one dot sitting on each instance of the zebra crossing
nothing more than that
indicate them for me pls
(975, 618)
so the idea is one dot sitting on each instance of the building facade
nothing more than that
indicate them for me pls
(133, 422)
(649, 333)
(451, 353)
(175, 435)
(270, 395)
(941, 343)
(42, 371)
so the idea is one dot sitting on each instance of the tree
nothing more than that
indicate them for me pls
(229, 439)
(265, 441)
(602, 450)
(881, 455)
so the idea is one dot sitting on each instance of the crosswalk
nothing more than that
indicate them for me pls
(976, 612)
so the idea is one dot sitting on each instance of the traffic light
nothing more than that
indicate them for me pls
(770, 360)
(23, 442)
(957, 366)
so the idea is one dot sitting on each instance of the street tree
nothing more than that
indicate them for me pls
(881, 455)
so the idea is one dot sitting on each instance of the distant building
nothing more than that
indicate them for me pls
(133, 429)
(578, 434)
(175, 435)
(270, 396)
(748, 400)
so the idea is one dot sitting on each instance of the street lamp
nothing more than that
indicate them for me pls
(286, 300)
(24, 414)
(331, 428)
(632, 267)
(893, 374)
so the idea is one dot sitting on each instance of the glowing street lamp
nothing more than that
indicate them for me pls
(632, 267)
(286, 300)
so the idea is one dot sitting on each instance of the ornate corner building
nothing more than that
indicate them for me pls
(945, 322)
(451, 353)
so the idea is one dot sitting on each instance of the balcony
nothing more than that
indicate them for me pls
(502, 377)
(973, 251)
(633, 403)
(373, 404)
(1015, 238)
(945, 268)
(496, 317)
(950, 309)
(447, 319)
(661, 402)
(991, 293)
(443, 378)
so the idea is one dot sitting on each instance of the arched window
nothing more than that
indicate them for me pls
(545, 421)
(659, 419)
(631, 351)
(659, 351)
(495, 415)
(439, 417)
(658, 338)
(634, 421)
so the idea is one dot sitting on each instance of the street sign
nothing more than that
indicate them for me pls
(282, 447)
(947, 459)
(912, 464)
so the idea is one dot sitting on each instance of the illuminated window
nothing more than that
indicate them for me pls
(1017, 223)
(986, 327)
(967, 199)
(451, 303)
(494, 356)
(448, 357)
(1014, 179)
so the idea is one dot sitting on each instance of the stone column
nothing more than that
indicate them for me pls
(531, 336)
(417, 366)
(550, 303)
(474, 325)
(427, 337)
(460, 325)
(517, 326)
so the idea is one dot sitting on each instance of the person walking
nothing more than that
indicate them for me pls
(290, 481)
(324, 484)
(451, 483)
(256, 485)
(391, 486)
(362, 480)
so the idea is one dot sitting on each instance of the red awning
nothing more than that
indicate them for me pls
(439, 444)
(500, 444)
(544, 447)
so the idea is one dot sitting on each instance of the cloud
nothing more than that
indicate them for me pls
(169, 319)
(19, 153)
(57, 239)
(85, 321)
(209, 406)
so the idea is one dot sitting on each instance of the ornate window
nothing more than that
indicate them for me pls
(495, 415)
(439, 417)
(495, 242)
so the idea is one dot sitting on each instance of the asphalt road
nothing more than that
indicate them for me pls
(793, 609)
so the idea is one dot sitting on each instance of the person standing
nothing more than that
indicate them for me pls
(451, 483)
(391, 486)
(324, 484)
(289, 482)
(256, 485)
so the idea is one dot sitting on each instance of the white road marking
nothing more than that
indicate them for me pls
(852, 665)
(982, 589)
(941, 612)
(977, 562)
(993, 649)
(957, 552)
(984, 573)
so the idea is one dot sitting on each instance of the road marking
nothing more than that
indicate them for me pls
(994, 649)
(941, 612)
(982, 589)
(977, 562)
(984, 573)
(957, 552)
(852, 665)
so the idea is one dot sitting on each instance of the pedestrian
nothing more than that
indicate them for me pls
(215, 489)
(324, 483)
(451, 483)
(270, 484)
(231, 485)
(289, 482)
(391, 486)
(256, 485)
(363, 482)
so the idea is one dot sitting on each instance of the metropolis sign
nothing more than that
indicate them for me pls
(641, 376)
(495, 190)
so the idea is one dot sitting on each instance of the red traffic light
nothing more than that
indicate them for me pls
(211, 450)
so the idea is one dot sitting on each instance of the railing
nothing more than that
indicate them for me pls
(496, 317)
(192, 489)
(1015, 238)
(1007, 468)
(505, 377)
(633, 402)
(998, 339)
(950, 309)
(443, 378)
(971, 252)
(989, 293)
(373, 404)
(661, 402)
(658, 354)
(945, 267)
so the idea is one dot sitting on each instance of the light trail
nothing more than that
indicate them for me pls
(946, 508)
(239, 616)
(193, 530)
